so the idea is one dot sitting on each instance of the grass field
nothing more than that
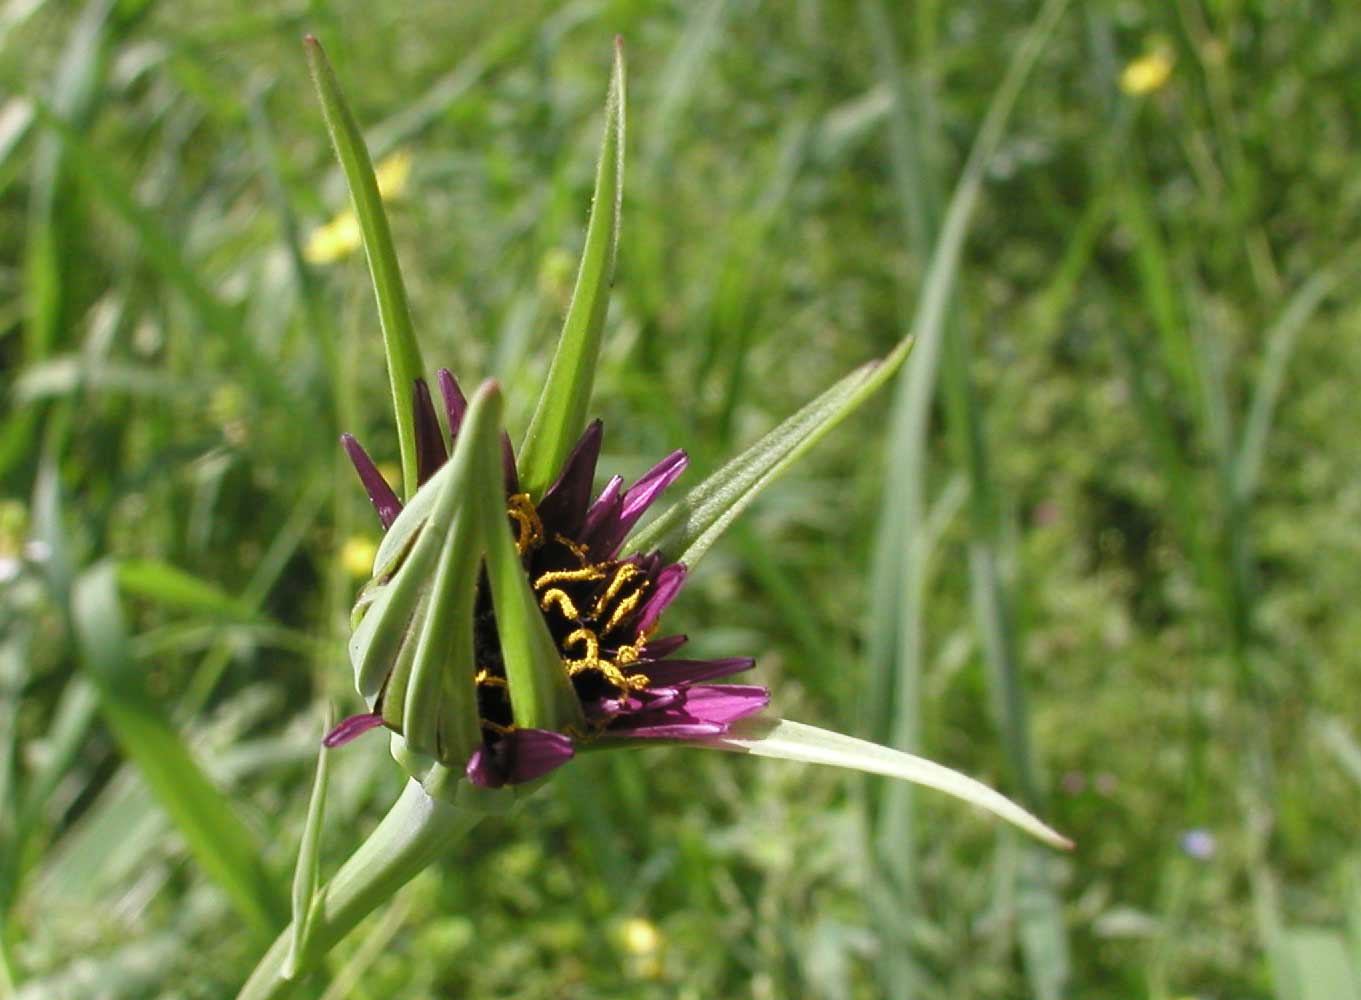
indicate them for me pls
(1099, 545)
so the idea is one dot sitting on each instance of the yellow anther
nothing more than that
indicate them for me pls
(563, 602)
(586, 637)
(529, 529)
(623, 609)
(576, 548)
(625, 573)
(490, 679)
(613, 674)
(627, 654)
(586, 573)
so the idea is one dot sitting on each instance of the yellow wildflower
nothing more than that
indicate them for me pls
(357, 555)
(341, 236)
(1147, 73)
(643, 941)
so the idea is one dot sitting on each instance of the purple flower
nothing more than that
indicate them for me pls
(602, 611)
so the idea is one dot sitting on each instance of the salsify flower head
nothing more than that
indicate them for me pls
(602, 610)
(513, 618)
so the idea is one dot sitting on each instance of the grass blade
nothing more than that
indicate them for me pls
(1280, 347)
(214, 833)
(898, 576)
(173, 587)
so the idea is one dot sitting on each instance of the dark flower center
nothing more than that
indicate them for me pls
(591, 608)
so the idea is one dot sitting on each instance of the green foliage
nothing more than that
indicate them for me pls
(1156, 303)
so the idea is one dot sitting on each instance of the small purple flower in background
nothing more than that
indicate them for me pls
(602, 611)
(1199, 843)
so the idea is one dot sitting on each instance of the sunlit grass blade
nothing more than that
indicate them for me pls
(561, 411)
(1280, 347)
(407, 124)
(687, 529)
(399, 337)
(796, 741)
(1317, 966)
(173, 587)
(163, 251)
(897, 616)
(14, 658)
(268, 570)
(75, 93)
(217, 838)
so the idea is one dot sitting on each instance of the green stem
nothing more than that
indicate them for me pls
(416, 830)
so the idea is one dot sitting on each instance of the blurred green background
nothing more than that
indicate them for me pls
(1113, 574)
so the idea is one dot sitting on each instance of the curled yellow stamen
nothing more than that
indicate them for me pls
(563, 602)
(585, 574)
(593, 661)
(490, 679)
(587, 638)
(625, 573)
(576, 548)
(529, 529)
(623, 609)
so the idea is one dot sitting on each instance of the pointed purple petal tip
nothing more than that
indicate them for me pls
(455, 403)
(430, 453)
(382, 497)
(351, 728)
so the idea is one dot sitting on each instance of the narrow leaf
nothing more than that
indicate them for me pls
(795, 741)
(171, 586)
(215, 835)
(399, 339)
(1280, 347)
(307, 875)
(689, 527)
(561, 411)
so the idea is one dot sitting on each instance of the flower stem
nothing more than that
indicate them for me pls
(414, 832)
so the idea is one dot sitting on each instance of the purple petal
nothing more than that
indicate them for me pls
(638, 498)
(706, 711)
(641, 494)
(455, 403)
(635, 728)
(724, 703)
(456, 406)
(564, 505)
(384, 501)
(659, 649)
(666, 673)
(651, 564)
(430, 453)
(518, 757)
(508, 465)
(605, 508)
(355, 725)
(664, 590)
